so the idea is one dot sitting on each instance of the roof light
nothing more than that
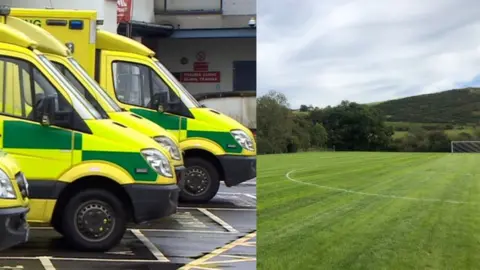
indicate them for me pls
(76, 24)
(4, 10)
(57, 22)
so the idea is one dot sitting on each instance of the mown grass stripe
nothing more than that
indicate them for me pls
(354, 231)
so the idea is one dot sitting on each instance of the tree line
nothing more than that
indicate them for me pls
(348, 126)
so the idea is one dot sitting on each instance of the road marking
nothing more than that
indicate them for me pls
(186, 219)
(83, 259)
(47, 264)
(129, 253)
(218, 208)
(153, 230)
(153, 249)
(185, 231)
(235, 193)
(200, 261)
(251, 196)
(245, 201)
(287, 175)
(218, 220)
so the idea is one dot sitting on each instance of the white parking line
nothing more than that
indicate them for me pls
(218, 220)
(83, 259)
(152, 230)
(153, 249)
(218, 208)
(234, 193)
(47, 264)
(185, 231)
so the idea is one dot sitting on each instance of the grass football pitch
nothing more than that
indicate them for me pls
(369, 211)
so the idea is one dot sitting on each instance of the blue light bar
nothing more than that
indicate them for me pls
(76, 24)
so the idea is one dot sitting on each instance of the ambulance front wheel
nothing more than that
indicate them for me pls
(94, 220)
(202, 181)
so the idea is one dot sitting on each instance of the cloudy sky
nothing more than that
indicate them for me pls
(321, 52)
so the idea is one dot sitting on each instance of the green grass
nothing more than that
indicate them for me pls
(457, 129)
(311, 226)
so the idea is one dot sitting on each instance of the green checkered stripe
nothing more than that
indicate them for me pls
(25, 135)
(173, 122)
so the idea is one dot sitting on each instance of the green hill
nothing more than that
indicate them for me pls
(453, 106)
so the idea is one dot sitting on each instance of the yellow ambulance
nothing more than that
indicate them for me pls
(14, 207)
(217, 147)
(88, 176)
(104, 104)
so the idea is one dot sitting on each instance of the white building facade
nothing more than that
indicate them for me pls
(210, 45)
(213, 45)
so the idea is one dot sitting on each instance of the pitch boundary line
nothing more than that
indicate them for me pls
(288, 176)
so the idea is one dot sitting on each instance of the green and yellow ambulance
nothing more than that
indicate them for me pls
(216, 147)
(104, 104)
(88, 175)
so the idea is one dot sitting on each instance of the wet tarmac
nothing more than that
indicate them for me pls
(217, 235)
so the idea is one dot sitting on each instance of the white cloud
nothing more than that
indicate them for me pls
(322, 52)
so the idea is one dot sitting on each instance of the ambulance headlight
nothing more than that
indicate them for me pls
(169, 145)
(158, 161)
(6, 187)
(243, 139)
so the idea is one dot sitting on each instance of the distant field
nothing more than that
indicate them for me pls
(457, 129)
(369, 211)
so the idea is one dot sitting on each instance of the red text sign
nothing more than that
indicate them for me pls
(200, 77)
(124, 10)
(200, 66)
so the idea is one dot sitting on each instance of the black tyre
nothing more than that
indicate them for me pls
(57, 225)
(94, 220)
(202, 181)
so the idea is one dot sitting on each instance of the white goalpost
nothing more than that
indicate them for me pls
(465, 146)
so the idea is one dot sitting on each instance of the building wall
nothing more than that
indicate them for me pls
(206, 14)
(220, 54)
(239, 7)
(143, 11)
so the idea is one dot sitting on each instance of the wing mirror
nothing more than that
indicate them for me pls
(49, 108)
(160, 108)
(51, 115)
(161, 103)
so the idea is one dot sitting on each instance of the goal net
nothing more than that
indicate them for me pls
(465, 146)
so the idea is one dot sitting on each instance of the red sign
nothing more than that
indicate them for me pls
(124, 10)
(200, 77)
(200, 66)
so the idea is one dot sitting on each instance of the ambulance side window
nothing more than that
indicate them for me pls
(12, 87)
(20, 83)
(131, 83)
(136, 84)
(79, 86)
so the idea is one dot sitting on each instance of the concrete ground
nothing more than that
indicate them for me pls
(217, 235)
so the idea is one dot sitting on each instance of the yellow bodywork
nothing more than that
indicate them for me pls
(128, 119)
(11, 168)
(97, 147)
